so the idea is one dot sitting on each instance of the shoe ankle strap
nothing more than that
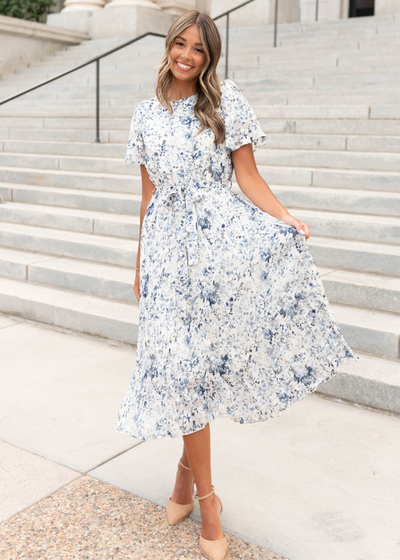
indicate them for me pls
(184, 466)
(204, 497)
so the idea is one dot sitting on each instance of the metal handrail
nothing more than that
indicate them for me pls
(97, 59)
(227, 30)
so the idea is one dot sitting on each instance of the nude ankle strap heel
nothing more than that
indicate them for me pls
(178, 512)
(218, 549)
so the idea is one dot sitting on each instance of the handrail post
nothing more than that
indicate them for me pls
(97, 100)
(276, 22)
(316, 10)
(227, 46)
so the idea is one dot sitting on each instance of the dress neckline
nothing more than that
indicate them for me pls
(184, 98)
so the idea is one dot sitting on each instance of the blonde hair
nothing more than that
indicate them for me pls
(208, 85)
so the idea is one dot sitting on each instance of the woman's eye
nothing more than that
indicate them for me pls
(181, 44)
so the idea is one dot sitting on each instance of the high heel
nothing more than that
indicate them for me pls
(179, 512)
(218, 549)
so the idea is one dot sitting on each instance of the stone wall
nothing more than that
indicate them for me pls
(23, 41)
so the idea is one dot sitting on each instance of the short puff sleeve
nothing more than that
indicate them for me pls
(135, 152)
(241, 124)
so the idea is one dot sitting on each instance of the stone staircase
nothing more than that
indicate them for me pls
(329, 100)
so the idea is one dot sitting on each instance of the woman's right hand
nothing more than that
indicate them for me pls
(136, 285)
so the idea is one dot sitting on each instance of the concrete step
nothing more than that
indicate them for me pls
(263, 110)
(70, 198)
(372, 381)
(358, 127)
(92, 247)
(375, 229)
(304, 199)
(90, 278)
(84, 221)
(123, 177)
(386, 94)
(91, 164)
(283, 97)
(120, 203)
(106, 182)
(330, 159)
(298, 159)
(361, 227)
(86, 149)
(68, 135)
(329, 142)
(375, 332)
(113, 116)
(377, 258)
(369, 291)
(96, 316)
(75, 145)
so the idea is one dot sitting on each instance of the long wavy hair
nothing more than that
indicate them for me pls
(208, 84)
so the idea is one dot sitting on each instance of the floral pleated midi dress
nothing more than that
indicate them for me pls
(233, 317)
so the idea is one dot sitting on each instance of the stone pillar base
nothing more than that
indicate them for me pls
(131, 3)
(82, 5)
(175, 8)
(120, 21)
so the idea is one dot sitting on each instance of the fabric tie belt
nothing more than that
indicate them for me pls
(183, 198)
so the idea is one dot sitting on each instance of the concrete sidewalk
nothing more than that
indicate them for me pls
(321, 482)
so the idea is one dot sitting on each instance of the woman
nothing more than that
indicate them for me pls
(233, 316)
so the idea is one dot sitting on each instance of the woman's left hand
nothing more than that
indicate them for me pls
(301, 227)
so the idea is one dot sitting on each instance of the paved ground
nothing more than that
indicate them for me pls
(321, 482)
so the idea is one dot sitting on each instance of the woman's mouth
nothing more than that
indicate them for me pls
(183, 67)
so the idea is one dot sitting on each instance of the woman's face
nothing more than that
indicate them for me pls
(187, 54)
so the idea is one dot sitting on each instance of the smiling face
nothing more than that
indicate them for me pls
(187, 55)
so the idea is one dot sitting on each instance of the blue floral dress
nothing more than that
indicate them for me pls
(233, 319)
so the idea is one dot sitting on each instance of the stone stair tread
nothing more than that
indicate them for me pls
(68, 171)
(74, 237)
(33, 208)
(74, 301)
(134, 219)
(346, 244)
(360, 278)
(333, 191)
(381, 321)
(121, 273)
(374, 320)
(375, 368)
(62, 190)
(340, 216)
(65, 264)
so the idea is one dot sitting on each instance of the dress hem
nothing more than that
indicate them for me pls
(258, 416)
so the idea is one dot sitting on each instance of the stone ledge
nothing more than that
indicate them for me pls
(34, 30)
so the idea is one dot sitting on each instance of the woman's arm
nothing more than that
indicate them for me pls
(257, 190)
(147, 189)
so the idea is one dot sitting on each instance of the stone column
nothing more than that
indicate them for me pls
(82, 5)
(145, 3)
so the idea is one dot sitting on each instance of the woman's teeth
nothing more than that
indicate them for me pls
(183, 66)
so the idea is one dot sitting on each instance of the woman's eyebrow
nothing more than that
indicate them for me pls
(183, 39)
